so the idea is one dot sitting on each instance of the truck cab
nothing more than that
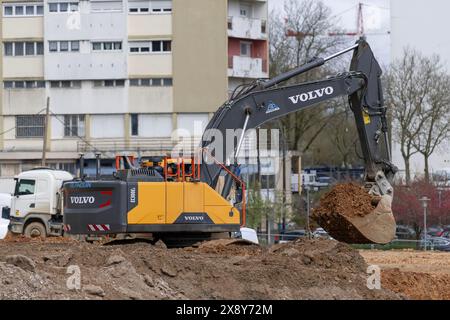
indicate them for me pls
(35, 209)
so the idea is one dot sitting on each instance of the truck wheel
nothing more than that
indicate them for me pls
(34, 230)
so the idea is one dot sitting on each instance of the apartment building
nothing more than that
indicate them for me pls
(120, 75)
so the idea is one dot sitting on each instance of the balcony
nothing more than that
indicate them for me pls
(241, 27)
(247, 67)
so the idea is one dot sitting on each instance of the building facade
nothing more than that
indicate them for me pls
(120, 75)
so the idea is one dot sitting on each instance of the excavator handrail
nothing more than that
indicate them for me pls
(237, 179)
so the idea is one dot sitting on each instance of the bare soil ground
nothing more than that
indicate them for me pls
(416, 274)
(316, 269)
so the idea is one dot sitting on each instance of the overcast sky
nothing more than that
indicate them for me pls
(376, 21)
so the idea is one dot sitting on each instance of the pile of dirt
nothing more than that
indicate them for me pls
(416, 274)
(308, 269)
(417, 285)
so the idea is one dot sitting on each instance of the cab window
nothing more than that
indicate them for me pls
(24, 187)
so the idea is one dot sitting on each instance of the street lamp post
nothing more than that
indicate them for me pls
(424, 201)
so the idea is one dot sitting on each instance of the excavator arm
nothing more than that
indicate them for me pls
(264, 101)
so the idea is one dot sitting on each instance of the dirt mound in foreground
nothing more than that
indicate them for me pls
(417, 285)
(309, 269)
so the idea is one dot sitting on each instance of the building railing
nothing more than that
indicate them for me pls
(244, 27)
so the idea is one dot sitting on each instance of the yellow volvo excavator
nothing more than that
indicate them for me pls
(184, 206)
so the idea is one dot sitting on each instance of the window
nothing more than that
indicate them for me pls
(19, 11)
(8, 48)
(53, 46)
(23, 48)
(63, 7)
(96, 46)
(74, 125)
(18, 48)
(268, 181)
(150, 46)
(29, 10)
(19, 84)
(134, 125)
(156, 82)
(24, 187)
(53, 7)
(75, 46)
(29, 48)
(64, 46)
(30, 126)
(167, 82)
(65, 84)
(167, 46)
(8, 11)
(109, 83)
(8, 84)
(245, 10)
(39, 48)
(73, 6)
(246, 49)
(107, 46)
(146, 7)
(106, 6)
(145, 82)
(156, 46)
(23, 10)
(134, 82)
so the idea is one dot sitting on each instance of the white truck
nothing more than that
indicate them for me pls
(36, 203)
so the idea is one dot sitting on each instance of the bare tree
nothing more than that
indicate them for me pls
(434, 117)
(296, 36)
(408, 84)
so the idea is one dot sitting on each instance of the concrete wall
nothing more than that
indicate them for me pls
(150, 100)
(155, 64)
(23, 27)
(148, 26)
(199, 59)
(23, 67)
(86, 26)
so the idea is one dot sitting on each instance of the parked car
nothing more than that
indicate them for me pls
(437, 243)
(446, 234)
(405, 232)
(435, 231)
(320, 233)
(292, 235)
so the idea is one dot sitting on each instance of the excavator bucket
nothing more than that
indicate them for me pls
(349, 214)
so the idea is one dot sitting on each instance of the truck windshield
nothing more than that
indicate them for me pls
(24, 187)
